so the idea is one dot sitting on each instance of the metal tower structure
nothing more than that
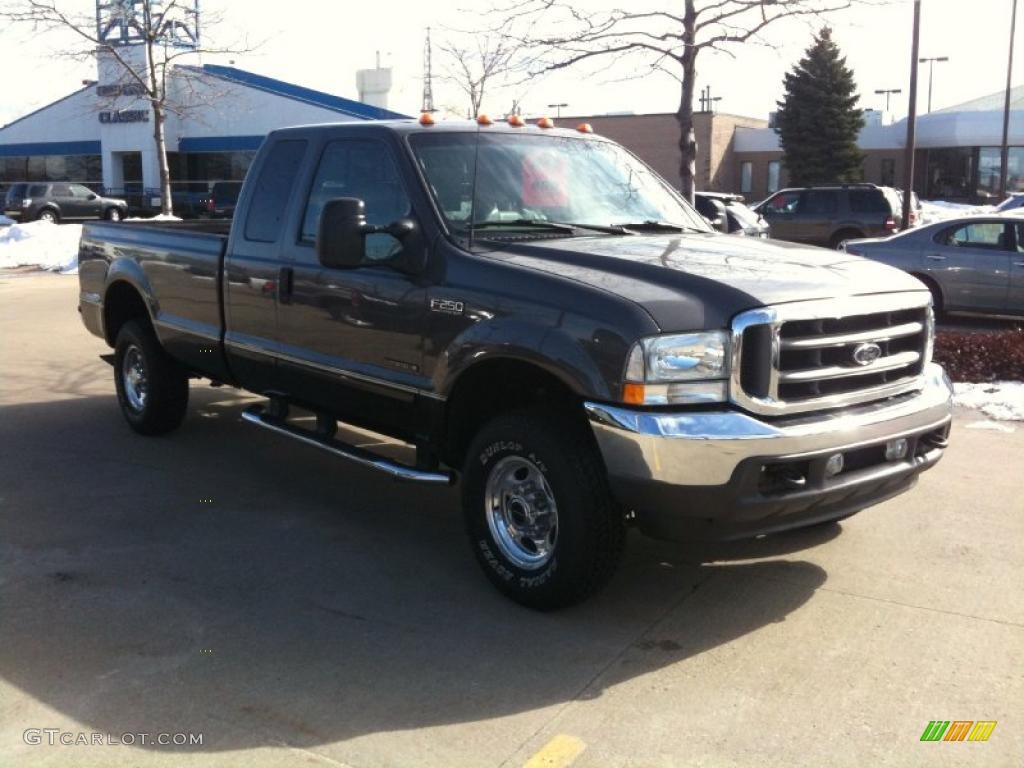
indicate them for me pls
(122, 22)
(428, 77)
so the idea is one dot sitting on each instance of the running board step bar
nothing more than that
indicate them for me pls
(258, 416)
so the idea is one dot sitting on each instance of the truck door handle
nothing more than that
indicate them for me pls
(285, 280)
(935, 257)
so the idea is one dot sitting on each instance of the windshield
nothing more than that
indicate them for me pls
(524, 178)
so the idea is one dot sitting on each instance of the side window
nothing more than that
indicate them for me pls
(77, 190)
(61, 190)
(868, 201)
(746, 177)
(983, 234)
(268, 206)
(784, 202)
(821, 202)
(364, 169)
(36, 190)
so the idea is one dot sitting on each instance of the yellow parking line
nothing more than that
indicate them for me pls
(560, 752)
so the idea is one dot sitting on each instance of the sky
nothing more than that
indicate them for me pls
(321, 43)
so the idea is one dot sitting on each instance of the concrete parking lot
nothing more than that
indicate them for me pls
(298, 611)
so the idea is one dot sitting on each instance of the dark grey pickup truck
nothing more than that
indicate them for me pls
(543, 319)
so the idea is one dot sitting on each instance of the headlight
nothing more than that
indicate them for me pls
(678, 368)
(26, 203)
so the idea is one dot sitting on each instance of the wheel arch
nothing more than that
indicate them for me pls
(123, 301)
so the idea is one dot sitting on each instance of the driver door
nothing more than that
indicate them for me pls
(351, 339)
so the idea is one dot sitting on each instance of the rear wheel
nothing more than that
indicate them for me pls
(539, 515)
(842, 235)
(936, 292)
(50, 215)
(152, 388)
(113, 214)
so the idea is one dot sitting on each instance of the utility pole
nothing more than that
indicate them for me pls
(428, 78)
(908, 160)
(888, 92)
(1004, 155)
(931, 66)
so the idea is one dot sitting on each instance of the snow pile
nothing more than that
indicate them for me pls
(5, 222)
(1000, 400)
(938, 210)
(41, 244)
(158, 217)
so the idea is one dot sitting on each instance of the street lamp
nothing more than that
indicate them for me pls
(888, 92)
(558, 107)
(930, 61)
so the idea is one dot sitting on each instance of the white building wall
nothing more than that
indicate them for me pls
(71, 119)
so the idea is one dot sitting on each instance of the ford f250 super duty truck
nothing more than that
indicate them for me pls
(542, 318)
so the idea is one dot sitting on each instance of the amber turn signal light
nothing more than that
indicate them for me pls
(633, 394)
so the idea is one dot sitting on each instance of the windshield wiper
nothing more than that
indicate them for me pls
(538, 223)
(657, 226)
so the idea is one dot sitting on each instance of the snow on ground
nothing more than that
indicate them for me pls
(937, 210)
(5, 222)
(999, 400)
(158, 217)
(41, 244)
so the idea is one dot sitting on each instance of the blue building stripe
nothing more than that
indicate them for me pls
(51, 148)
(297, 92)
(219, 143)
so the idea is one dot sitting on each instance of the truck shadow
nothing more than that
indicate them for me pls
(226, 582)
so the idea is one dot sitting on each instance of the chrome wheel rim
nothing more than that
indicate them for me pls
(521, 512)
(115, 215)
(133, 376)
(47, 216)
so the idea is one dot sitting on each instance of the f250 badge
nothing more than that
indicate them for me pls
(447, 306)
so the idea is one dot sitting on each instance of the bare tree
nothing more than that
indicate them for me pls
(561, 35)
(156, 26)
(474, 65)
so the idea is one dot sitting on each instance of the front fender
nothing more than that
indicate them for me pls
(550, 349)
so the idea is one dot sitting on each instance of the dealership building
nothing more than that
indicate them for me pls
(102, 134)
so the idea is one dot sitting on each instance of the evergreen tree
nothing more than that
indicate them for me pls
(818, 119)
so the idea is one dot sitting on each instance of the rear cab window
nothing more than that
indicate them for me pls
(268, 207)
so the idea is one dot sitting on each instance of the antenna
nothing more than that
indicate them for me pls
(428, 88)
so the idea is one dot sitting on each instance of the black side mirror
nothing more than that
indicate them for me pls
(94, 196)
(340, 237)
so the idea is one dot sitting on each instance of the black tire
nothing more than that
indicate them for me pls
(589, 529)
(937, 301)
(48, 214)
(164, 382)
(841, 235)
(113, 214)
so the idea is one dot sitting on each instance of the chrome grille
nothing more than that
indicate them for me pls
(804, 356)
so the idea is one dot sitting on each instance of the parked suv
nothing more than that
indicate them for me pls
(728, 213)
(60, 201)
(828, 215)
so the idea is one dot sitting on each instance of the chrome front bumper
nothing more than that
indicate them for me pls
(701, 448)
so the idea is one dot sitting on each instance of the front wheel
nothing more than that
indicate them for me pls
(539, 515)
(50, 215)
(152, 388)
(114, 214)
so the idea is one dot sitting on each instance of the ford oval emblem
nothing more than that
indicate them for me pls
(867, 353)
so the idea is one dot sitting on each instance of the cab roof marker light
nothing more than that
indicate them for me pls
(584, 128)
(545, 122)
(483, 119)
(516, 121)
(426, 119)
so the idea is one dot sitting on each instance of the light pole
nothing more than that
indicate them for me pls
(888, 92)
(930, 61)
(908, 160)
(558, 107)
(1004, 155)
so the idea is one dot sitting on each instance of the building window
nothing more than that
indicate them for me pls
(84, 168)
(773, 176)
(746, 177)
(989, 166)
(888, 175)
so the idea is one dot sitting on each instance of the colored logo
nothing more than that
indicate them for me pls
(958, 730)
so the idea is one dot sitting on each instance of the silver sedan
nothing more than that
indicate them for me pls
(972, 265)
